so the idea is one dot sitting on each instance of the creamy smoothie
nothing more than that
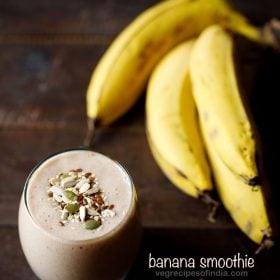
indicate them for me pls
(79, 218)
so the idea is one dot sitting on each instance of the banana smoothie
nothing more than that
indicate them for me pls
(78, 218)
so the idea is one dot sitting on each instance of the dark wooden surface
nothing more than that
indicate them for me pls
(48, 50)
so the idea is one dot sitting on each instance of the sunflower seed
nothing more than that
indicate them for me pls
(89, 201)
(92, 190)
(84, 187)
(92, 212)
(80, 183)
(82, 213)
(56, 190)
(68, 182)
(64, 214)
(57, 197)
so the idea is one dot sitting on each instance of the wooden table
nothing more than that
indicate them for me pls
(48, 50)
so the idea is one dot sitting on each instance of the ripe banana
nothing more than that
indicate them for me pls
(122, 72)
(171, 123)
(246, 207)
(220, 103)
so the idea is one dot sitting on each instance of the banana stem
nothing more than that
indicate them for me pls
(271, 33)
(91, 125)
(267, 243)
(206, 198)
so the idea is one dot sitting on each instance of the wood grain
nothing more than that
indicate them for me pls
(48, 50)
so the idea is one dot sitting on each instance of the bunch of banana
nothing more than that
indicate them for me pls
(199, 74)
(183, 50)
(122, 73)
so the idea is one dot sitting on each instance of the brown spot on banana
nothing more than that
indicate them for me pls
(180, 173)
(205, 116)
(249, 228)
(179, 29)
(146, 52)
(254, 182)
(213, 133)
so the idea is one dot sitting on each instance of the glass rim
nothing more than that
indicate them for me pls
(133, 199)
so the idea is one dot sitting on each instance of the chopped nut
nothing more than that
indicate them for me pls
(87, 174)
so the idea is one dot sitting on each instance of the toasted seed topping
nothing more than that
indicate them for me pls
(79, 199)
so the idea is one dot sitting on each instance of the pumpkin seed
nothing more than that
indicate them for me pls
(69, 196)
(72, 208)
(92, 224)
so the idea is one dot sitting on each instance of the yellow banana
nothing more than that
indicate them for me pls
(246, 206)
(220, 105)
(171, 123)
(122, 72)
